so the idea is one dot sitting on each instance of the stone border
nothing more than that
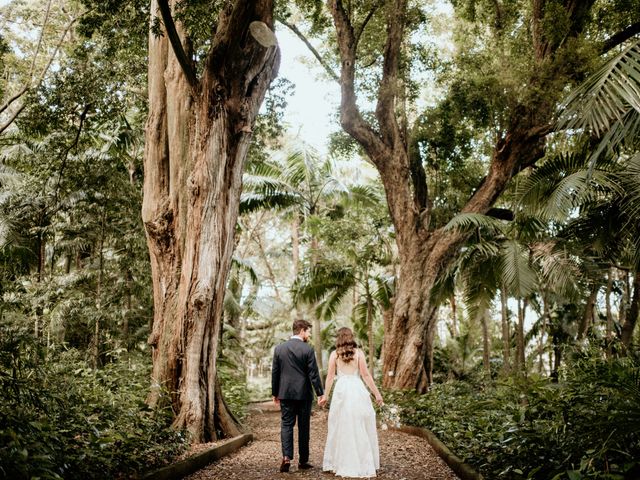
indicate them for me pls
(463, 470)
(195, 462)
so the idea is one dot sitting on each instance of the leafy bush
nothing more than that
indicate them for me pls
(61, 419)
(235, 392)
(587, 426)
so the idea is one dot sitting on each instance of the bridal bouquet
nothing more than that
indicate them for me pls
(389, 416)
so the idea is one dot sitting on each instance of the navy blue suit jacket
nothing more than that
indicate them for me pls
(294, 373)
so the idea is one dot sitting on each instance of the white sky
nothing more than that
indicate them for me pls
(310, 113)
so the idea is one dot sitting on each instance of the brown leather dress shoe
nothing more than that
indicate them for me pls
(286, 463)
(305, 466)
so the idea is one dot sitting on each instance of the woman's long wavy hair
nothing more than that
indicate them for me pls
(345, 344)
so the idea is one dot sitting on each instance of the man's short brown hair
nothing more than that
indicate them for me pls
(299, 325)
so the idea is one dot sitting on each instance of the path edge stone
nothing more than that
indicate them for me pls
(181, 469)
(463, 470)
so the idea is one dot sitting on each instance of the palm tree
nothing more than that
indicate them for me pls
(355, 260)
(301, 183)
(591, 205)
(607, 106)
(495, 258)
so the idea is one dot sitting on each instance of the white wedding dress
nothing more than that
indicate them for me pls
(352, 439)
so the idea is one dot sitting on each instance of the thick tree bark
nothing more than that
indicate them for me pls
(42, 254)
(197, 136)
(557, 360)
(96, 333)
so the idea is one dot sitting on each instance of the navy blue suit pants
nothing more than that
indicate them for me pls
(292, 411)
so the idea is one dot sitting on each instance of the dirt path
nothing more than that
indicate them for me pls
(402, 456)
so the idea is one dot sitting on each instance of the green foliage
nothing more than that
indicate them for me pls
(61, 419)
(586, 426)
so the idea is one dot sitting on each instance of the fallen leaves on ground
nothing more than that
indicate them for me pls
(402, 456)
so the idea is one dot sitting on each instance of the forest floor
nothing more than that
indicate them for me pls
(402, 456)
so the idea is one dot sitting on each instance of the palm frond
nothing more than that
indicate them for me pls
(384, 291)
(362, 195)
(321, 281)
(360, 312)
(252, 202)
(245, 266)
(563, 183)
(558, 268)
(328, 307)
(519, 278)
(630, 179)
(607, 95)
(472, 221)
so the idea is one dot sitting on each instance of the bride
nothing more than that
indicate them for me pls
(352, 440)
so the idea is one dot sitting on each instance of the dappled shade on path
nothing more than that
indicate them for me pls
(402, 456)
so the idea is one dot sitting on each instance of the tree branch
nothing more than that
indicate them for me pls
(387, 93)
(29, 87)
(176, 43)
(539, 42)
(619, 37)
(350, 116)
(8, 103)
(235, 48)
(365, 22)
(65, 156)
(419, 181)
(311, 48)
(35, 55)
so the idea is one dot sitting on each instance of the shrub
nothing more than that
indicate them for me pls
(587, 426)
(61, 419)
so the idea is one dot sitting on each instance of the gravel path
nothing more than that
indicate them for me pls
(402, 456)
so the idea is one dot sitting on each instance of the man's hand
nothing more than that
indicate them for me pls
(322, 400)
(276, 400)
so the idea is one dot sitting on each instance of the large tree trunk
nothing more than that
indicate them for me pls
(197, 135)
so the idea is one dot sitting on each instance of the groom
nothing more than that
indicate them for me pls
(293, 374)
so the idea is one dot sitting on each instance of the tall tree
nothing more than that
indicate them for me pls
(198, 132)
(520, 128)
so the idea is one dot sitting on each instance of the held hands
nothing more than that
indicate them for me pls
(322, 401)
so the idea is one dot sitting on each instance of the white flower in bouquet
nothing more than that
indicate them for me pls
(389, 416)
